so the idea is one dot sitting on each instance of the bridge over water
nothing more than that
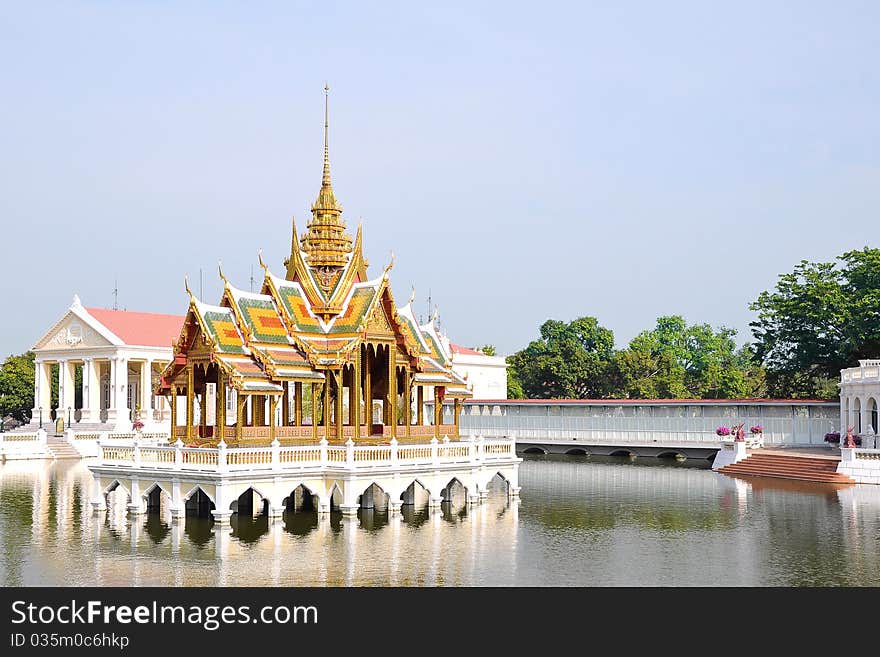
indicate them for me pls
(658, 427)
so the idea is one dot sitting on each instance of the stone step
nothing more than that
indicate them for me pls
(823, 470)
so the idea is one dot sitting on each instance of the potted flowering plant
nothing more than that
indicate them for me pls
(137, 425)
(722, 431)
(832, 438)
(756, 430)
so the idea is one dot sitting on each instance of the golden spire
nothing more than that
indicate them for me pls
(325, 178)
(326, 243)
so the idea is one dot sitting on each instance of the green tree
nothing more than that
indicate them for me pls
(488, 349)
(514, 385)
(569, 360)
(820, 318)
(674, 360)
(17, 386)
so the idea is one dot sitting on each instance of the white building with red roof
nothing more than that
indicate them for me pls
(486, 375)
(120, 355)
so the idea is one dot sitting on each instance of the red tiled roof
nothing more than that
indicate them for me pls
(143, 329)
(458, 349)
(614, 402)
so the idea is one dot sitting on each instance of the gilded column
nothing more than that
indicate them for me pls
(315, 398)
(298, 403)
(407, 393)
(325, 406)
(173, 413)
(190, 411)
(240, 401)
(220, 410)
(368, 391)
(273, 405)
(420, 403)
(457, 403)
(337, 410)
(438, 413)
(285, 403)
(355, 403)
(392, 388)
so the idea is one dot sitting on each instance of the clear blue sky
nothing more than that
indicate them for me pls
(523, 161)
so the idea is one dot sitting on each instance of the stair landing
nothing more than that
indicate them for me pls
(61, 449)
(766, 463)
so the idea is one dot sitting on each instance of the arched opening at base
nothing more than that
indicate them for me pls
(250, 503)
(672, 456)
(498, 485)
(375, 498)
(116, 495)
(199, 505)
(335, 498)
(534, 450)
(624, 453)
(300, 500)
(157, 500)
(454, 496)
(415, 495)
(577, 451)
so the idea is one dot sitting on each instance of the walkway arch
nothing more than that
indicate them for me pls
(534, 450)
(672, 455)
(872, 415)
(198, 503)
(300, 499)
(577, 451)
(415, 494)
(623, 452)
(455, 492)
(857, 415)
(498, 482)
(336, 497)
(154, 498)
(247, 504)
(374, 497)
(117, 494)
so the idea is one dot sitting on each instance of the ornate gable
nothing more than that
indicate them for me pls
(71, 332)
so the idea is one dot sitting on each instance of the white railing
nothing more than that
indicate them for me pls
(304, 457)
(22, 445)
(868, 370)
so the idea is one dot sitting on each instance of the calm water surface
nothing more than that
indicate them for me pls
(586, 522)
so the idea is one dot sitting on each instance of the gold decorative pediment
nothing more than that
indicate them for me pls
(379, 322)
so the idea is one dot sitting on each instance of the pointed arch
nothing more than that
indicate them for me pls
(416, 494)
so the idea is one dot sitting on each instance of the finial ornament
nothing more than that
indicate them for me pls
(325, 178)
(220, 269)
(412, 295)
(186, 286)
(260, 259)
(326, 243)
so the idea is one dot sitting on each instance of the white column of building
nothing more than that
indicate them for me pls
(866, 416)
(93, 392)
(147, 391)
(61, 409)
(111, 403)
(123, 417)
(42, 391)
(86, 413)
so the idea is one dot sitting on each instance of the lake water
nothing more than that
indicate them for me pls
(580, 521)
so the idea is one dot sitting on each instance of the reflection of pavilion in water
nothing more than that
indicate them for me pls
(258, 549)
(421, 545)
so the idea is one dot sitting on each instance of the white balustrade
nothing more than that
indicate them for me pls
(301, 457)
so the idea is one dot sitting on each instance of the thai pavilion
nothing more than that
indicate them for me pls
(320, 352)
